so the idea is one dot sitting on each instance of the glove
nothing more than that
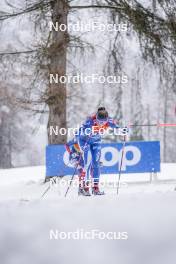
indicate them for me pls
(101, 164)
(124, 130)
(74, 157)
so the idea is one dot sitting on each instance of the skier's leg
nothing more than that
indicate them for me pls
(83, 183)
(95, 149)
(85, 157)
(88, 170)
(81, 177)
(84, 147)
(96, 154)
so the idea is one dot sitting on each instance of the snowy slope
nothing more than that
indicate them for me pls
(146, 211)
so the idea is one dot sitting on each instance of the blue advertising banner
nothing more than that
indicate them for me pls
(139, 157)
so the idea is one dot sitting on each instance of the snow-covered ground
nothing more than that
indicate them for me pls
(143, 209)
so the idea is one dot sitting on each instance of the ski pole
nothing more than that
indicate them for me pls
(153, 125)
(47, 189)
(144, 125)
(68, 188)
(121, 162)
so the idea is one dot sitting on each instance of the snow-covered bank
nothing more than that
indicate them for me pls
(35, 174)
(24, 174)
(27, 183)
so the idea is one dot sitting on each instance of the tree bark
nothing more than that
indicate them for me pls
(5, 142)
(56, 96)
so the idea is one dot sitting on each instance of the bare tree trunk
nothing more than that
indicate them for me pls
(165, 131)
(5, 142)
(57, 54)
(148, 121)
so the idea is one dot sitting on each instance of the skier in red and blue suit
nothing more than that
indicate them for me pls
(89, 139)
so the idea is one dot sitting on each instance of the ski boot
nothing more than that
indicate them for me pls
(84, 192)
(83, 185)
(96, 190)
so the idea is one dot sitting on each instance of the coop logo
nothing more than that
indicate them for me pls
(111, 156)
(139, 157)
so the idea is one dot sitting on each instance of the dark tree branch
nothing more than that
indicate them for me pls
(40, 5)
(18, 52)
(96, 6)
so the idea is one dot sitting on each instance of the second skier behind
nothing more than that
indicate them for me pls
(76, 159)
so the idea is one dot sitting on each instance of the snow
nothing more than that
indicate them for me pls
(5, 109)
(145, 210)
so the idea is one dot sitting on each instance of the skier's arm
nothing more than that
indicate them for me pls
(74, 152)
(68, 148)
(112, 123)
(86, 128)
(69, 145)
(122, 130)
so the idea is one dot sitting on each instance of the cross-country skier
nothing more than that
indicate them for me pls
(76, 158)
(89, 139)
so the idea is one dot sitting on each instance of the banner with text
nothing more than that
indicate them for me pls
(139, 157)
